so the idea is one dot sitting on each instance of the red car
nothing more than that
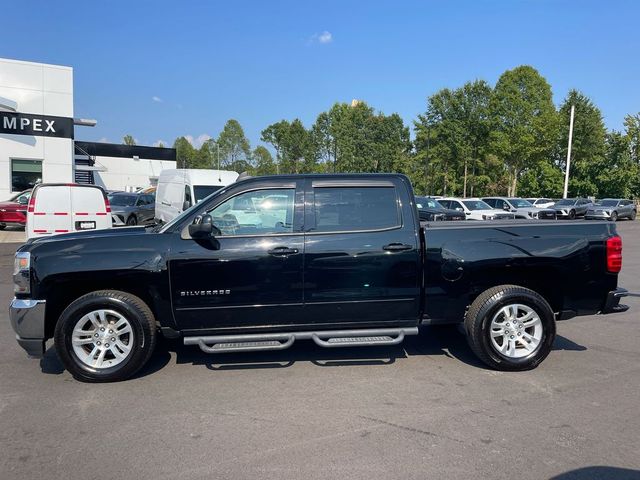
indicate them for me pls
(14, 211)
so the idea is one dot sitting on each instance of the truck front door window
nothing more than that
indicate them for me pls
(259, 212)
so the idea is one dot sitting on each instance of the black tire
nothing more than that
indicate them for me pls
(142, 323)
(633, 215)
(478, 326)
(572, 215)
(132, 221)
(2, 226)
(614, 216)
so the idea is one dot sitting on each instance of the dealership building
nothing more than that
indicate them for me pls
(38, 131)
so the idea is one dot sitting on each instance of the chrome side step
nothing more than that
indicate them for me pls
(280, 341)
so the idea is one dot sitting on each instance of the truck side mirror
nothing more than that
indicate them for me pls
(506, 207)
(23, 200)
(203, 227)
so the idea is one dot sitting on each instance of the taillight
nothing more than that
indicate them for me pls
(107, 205)
(32, 202)
(614, 254)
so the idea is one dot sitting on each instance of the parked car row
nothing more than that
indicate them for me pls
(63, 208)
(50, 209)
(500, 208)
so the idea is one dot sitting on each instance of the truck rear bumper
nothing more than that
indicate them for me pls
(27, 320)
(613, 305)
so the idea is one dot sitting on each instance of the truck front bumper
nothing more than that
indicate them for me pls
(27, 320)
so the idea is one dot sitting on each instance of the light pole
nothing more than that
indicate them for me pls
(218, 156)
(426, 165)
(566, 173)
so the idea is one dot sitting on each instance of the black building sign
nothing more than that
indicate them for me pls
(38, 125)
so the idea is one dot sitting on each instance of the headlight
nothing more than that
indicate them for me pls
(21, 276)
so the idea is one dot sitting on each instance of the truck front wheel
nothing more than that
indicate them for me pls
(510, 328)
(105, 336)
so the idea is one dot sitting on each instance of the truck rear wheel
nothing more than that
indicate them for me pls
(510, 328)
(105, 336)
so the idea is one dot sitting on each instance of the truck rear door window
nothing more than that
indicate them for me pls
(340, 209)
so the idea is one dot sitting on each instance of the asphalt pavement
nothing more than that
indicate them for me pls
(425, 409)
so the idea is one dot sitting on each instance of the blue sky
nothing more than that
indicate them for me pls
(158, 70)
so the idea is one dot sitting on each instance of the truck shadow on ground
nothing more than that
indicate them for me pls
(599, 473)
(431, 341)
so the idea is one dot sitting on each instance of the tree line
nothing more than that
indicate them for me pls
(478, 139)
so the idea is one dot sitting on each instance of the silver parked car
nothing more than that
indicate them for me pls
(612, 209)
(572, 207)
(521, 208)
(132, 208)
(541, 202)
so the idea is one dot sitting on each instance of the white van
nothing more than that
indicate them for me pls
(63, 208)
(178, 189)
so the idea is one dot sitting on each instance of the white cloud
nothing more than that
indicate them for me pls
(157, 99)
(158, 142)
(197, 141)
(324, 37)
(103, 140)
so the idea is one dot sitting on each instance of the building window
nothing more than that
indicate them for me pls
(25, 174)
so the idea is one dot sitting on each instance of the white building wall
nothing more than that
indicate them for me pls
(38, 89)
(129, 174)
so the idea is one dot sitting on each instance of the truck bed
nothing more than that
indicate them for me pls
(562, 260)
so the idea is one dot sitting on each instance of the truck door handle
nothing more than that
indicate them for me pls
(397, 247)
(282, 251)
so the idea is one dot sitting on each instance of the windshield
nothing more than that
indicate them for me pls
(26, 193)
(608, 203)
(122, 200)
(476, 205)
(166, 226)
(520, 203)
(423, 202)
(203, 191)
(566, 201)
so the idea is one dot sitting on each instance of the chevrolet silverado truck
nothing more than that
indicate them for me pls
(341, 260)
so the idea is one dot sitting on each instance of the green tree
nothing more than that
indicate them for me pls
(294, 146)
(235, 151)
(128, 140)
(452, 136)
(276, 134)
(632, 133)
(615, 172)
(264, 164)
(354, 138)
(185, 153)
(523, 121)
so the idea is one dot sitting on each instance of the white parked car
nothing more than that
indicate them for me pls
(474, 209)
(64, 208)
(541, 202)
(178, 189)
(520, 207)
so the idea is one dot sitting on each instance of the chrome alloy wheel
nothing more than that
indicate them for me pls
(516, 331)
(102, 339)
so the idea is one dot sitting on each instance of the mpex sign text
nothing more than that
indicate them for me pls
(38, 125)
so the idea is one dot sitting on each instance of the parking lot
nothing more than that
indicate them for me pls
(425, 409)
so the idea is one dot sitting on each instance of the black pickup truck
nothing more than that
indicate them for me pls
(341, 260)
